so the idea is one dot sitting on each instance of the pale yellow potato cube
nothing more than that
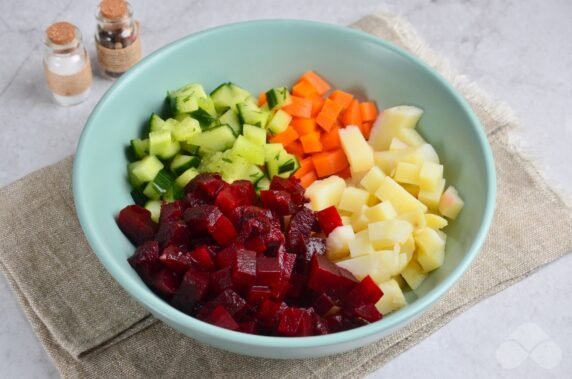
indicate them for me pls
(356, 177)
(430, 249)
(397, 144)
(359, 266)
(361, 244)
(385, 234)
(372, 179)
(406, 173)
(415, 217)
(451, 203)
(387, 160)
(359, 219)
(402, 262)
(402, 201)
(353, 199)
(432, 198)
(443, 235)
(338, 242)
(392, 298)
(372, 200)
(410, 137)
(422, 154)
(358, 151)
(413, 274)
(384, 264)
(429, 175)
(408, 247)
(325, 192)
(411, 188)
(390, 122)
(399, 279)
(346, 220)
(434, 221)
(381, 212)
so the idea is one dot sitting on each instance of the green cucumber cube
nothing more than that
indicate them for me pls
(186, 128)
(248, 150)
(154, 206)
(146, 169)
(254, 134)
(279, 122)
(186, 177)
(159, 142)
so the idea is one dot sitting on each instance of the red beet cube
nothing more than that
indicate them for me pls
(193, 288)
(227, 256)
(221, 280)
(135, 222)
(300, 228)
(248, 327)
(256, 243)
(267, 270)
(173, 232)
(329, 219)
(176, 259)
(257, 294)
(146, 260)
(280, 202)
(222, 231)
(221, 317)
(325, 277)
(314, 245)
(172, 211)
(244, 268)
(366, 292)
(206, 184)
(323, 304)
(295, 322)
(269, 313)
(320, 325)
(247, 212)
(229, 300)
(165, 282)
(203, 258)
(290, 185)
(368, 313)
(239, 193)
(335, 323)
(202, 217)
(195, 199)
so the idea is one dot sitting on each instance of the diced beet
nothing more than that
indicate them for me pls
(222, 231)
(324, 276)
(239, 193)
(314, 245)
(335, 323)
(323, 304)
(176, 258)
(135, 222)
(221, 317)
(368, 313)
(166, 282)
(274, 237)
(226, 256)
(229, 300)
(202, 217)
(269, 313)
(246, 212)
(295, 322)
(221, 280)
(248, 327)
(193, 288)
(320, 325)
(329, 219)
(146, 260)
(280, 202)
(244, 268)
(256, 294)
(194, 199)
(203, 258)
(267, 270)
(256, 243)
(290, 185)
(286, 263)
(173, 232)
(366, 292)
(299, 229)
(297, 286)
(206, 184)
(172, 211)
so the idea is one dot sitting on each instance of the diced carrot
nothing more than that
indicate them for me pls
(319, 84)
(261, 99)
(346, 173)
(295, 148)
(304, 89)
(303, 125)
(368, 111)
(328, 115)
(331, 139)
(286, 137)
(308, 179)
(311, 142)
(366, 129)
(317, 104)
(342, 98)
(352, 115)
(306, 166)
(330, 162)
(299, 107)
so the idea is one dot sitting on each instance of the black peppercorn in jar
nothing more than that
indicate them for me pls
(117, 38)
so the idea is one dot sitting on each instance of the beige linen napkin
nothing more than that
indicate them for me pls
(93, 329)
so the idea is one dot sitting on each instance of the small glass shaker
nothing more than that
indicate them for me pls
(117, 38)
(66, 64)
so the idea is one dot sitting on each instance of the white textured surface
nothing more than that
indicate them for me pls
(520, 51)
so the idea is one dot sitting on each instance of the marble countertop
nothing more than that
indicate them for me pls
(519, 51)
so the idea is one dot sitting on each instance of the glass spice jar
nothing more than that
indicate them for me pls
(66, 64)
(117, 38)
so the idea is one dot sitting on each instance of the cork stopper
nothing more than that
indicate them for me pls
(113, 9)
(61, 33)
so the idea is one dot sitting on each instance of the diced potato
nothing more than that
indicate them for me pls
(392, 298)
(361, 244)
(355, 177)
(403, 260)
(326, 192)
(353, 199)
(385, 234)
(411, 188)
(372, 179)
(407, 173)
(410, 137)
(402, 201)
(387, 160)
(434, 221)
(443, 235)
(422, 154)
(408, 247)
(346, 220)
(415, 217)
(381, 212)
(358, 151)
(390, 122)
(338, 242)
(432, 198)
(372, 200)
(451, 203)
(384, 264)
(399, 279)
(413, 274)
(359, 266)
(397, 144)
(429, 175)
(430, 249)
(359, 219)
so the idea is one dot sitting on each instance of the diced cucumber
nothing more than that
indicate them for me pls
(182, 163)
(156, 188)
(189, 148)
(254, 134)
(184, 179)
(186, 98)
(283, 165)
(239, 92)
(248, 150)
(133, 180)
(146, 169)
(186, 128)
(288, 166)
(238, 168)
(138, 197)
(263, 184)
(278, 97)
(140, 147)
(279, 122)
(216, 139)
(272, 151)
(174, 193)
(254, 173)
(159, 142)
(231, 119)
(156, 123)
(251, 114)
(171, 150)
(206, 113)
(227, 95)
(154, 206)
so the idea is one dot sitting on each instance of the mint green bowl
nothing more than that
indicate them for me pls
(259, 55)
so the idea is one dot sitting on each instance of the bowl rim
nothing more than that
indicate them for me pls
(164, 311)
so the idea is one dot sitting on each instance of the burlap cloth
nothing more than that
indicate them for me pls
(92, 329)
